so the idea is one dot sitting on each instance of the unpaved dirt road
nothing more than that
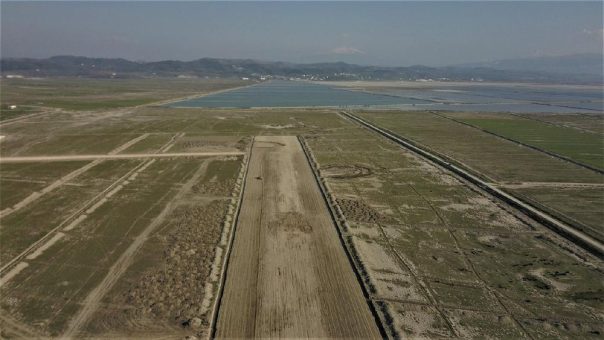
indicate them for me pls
(118, 156)
(92, 301)
(288, 274)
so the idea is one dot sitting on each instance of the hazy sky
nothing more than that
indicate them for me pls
(380, 33)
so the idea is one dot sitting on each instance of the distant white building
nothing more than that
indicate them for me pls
(12, 107)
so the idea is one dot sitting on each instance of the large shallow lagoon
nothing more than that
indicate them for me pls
(279, 93)
(498, 98)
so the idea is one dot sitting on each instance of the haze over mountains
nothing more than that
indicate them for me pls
(574, 69)
(586, 63)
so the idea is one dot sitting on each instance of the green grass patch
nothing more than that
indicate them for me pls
(583, 147)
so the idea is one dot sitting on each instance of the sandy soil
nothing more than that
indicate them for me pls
(16, 270)
(129, 144)
(288, 274)
(46, 245)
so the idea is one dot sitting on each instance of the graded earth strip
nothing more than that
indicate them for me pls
(24, 117)
(171, 143)
(16, 270)
(129, 144)
(288, 275)
(15, 329)
(38, 194)
(95, 202)
(118, 156)
(45, 246)
(113, 189)
(565, 230)
(70, 219)
(92, 301)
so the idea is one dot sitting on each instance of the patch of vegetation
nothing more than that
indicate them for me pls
(101, 94)
(502, 161)
(581, 146)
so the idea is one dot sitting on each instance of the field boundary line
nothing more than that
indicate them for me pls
(128, 144)
(229, 247)
(76, 217)
(34, 196)
(72, 217)
(350, 254)
(64, 179)
(120, 109)
(567, 231)
(116, 156)
(549, 153)
(25, 117)
(92, 301)
(528, 117)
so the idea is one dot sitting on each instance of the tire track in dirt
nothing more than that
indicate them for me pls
(469, 264)
(118, 156)
(288, 275)
(74, 219)
(12, 328)
(70, 176)
(25, 117)
(91, 303)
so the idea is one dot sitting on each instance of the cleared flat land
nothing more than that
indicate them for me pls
(288, 275)
(32, 96)
(125, 233)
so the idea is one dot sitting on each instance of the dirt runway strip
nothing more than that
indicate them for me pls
(288, 274)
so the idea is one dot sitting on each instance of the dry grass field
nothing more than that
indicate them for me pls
(531, 173)
(146, 221)
(442, 259)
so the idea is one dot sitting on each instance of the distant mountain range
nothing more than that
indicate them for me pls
(70, 66)
(576, 64)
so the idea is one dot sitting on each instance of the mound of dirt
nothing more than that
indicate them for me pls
(358, 211)
(345, 171)
(214, 188)
(242, 144)
(292, 222)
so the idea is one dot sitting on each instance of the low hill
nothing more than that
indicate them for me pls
(73, 66)
(590, 64)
